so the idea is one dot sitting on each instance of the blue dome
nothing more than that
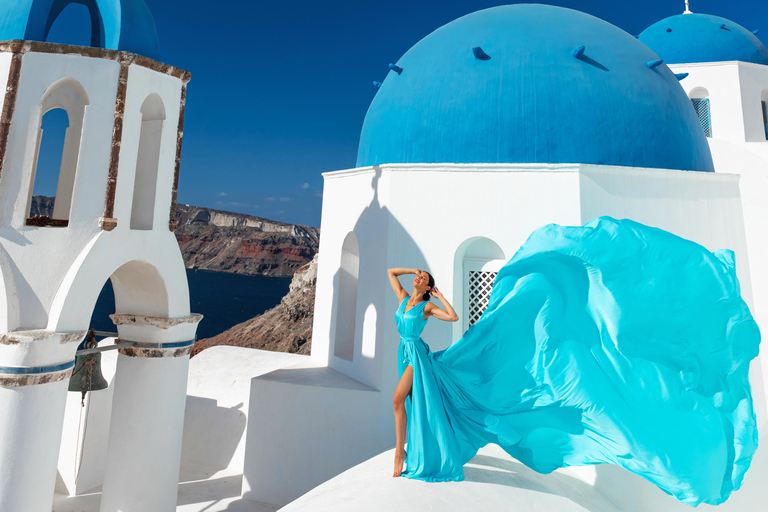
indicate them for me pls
(125, 25)
(689, 38)
(535, 99)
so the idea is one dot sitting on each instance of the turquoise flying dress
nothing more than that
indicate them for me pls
(610, 343)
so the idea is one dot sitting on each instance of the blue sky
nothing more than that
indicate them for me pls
(279, 89)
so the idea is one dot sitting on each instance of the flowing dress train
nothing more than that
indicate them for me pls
(611, 343)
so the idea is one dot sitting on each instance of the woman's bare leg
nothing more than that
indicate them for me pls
(401, 421)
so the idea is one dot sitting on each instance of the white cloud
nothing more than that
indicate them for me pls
(281, 212)
(318, 193)
(285, 199)
(232, 203)
(270, 198)
(305, 186)
(222, 194)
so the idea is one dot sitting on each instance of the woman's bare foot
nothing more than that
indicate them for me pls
(399, 460)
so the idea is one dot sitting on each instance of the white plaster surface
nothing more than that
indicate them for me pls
(496, 481)
(218, 401)
(307, 424)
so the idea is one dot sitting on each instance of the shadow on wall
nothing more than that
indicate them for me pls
(211, 436)
(357, 289)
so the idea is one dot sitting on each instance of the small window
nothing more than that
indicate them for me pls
(701, 106)
(765, 119)
(58, 152)
(479, 284)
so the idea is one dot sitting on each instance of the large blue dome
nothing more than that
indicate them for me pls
(533, 100)
(689, 38)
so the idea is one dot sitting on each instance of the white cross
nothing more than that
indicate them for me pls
(687, 8)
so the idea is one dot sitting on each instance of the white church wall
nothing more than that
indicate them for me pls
(435, 212)
(39, 72)
(750, 161)
(213, 445)
(721, 80)
(142, 83)
(353, 204)
(307, 423)
(753, 82)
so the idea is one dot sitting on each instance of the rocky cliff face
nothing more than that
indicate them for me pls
(232, 242)
(41, 205)
(285, 328)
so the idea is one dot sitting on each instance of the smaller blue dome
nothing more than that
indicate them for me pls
(691, 38)
(125, 25)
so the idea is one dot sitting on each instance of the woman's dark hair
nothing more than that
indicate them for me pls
(431, 283)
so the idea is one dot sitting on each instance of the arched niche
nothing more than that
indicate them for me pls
(475, 264)
(147, 162)
(699, 97)
(346, 299)
(764, 107)
(68, 95)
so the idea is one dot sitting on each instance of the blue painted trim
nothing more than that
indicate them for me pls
(37, 369)
(175, 344)
(681, 76)
(578, 52)
(396, 69)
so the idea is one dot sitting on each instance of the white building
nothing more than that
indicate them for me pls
(490, 127)
(113, 219)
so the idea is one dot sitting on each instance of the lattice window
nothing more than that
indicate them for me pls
(701, 106)
(765, 119)
(480, 283)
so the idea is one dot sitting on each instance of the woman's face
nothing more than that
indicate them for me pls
(421, 280)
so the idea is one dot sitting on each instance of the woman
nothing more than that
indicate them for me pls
(411, 317)
(612, 342)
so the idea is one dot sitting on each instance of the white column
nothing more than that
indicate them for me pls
(35, 367)
(150, 387)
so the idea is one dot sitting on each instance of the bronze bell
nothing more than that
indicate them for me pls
(86, 376)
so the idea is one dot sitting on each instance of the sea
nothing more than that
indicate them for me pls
(223, 299)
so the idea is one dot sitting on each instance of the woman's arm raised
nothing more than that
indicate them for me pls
(395, 282)
(449, 315)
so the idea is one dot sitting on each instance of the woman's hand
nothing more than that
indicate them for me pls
(436, 293)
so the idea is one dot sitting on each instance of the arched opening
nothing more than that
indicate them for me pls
(147, 162)
(58, 151)
(53, 129)
(476, 263)
(136, 287)
(346, 299)
(75, 22)
(764, 106)
(699, 97)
